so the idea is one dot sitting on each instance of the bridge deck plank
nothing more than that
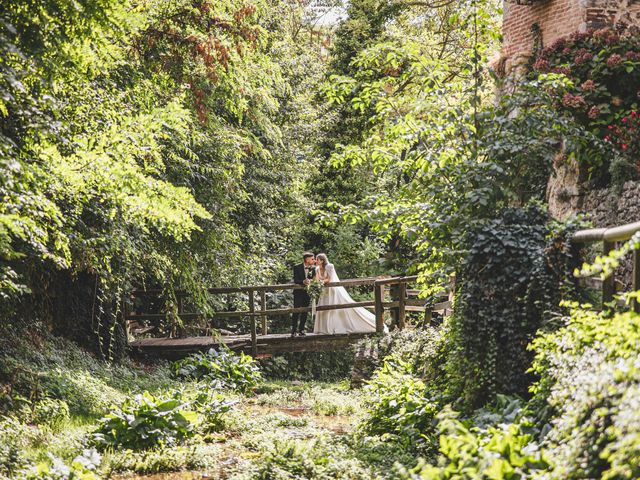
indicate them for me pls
(174, 348)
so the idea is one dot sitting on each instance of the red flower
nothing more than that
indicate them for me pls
(573, 101)
(589, 85)
(614, 60)
(541, 65)
(593, 112)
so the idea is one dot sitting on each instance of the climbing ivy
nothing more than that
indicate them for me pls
(512, 278)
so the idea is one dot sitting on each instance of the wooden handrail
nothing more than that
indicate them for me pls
(352, 282)
(608, 237)
(614, 234)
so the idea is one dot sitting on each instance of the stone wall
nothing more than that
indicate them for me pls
(610, 207)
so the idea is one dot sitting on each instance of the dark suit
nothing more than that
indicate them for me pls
(301, 297)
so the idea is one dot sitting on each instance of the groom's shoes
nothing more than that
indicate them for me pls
(302, 334)
(293, 334)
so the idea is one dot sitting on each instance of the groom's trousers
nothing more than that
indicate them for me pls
(299, 320)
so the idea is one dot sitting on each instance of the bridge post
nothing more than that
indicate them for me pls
(252, 318)
(378, 291)
(608, 284)
(263, 308)
(635, 285)
(402, 298)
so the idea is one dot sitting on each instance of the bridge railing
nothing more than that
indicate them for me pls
(402, 301)
(609, 237)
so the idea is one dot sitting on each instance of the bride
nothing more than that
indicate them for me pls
(346, 320)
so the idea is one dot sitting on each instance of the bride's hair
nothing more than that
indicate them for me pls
(323, 257)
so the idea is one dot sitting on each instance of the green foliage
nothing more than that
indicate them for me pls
(41, 365)
(12, 443)
(168, 459)
(401, 408)
(321, 399)
(513, 276)
(50, 412)
(145, 144)
(146, 421)
(83, 392)
(498, 452)
(589, 383)
(320, 458)
(83, 467)
(225, 369)
(316, 366)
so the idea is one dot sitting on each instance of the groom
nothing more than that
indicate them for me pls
(303, 273)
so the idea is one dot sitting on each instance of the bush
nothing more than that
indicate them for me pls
(50, 412)
(166, 459)
(12, 443)
(82, 467)
(424, 350)
(146, 421)
(604, 70)
(237, 372)
(84, 392)
(400, 408)
(500, 452)
(590, 386)
(315, 366)
(284, 459)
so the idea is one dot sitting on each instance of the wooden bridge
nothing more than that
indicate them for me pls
(258, 341)
(403, 299)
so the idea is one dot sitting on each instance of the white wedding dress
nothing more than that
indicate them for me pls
(345, 320)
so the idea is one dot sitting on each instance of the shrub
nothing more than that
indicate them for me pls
(316, 366)
(85, 393)
(82, 467)
(146, 421)
(50, 412)
(283, 459)
(470, 453)
(400, 408)
(604, 68)
(425, 350)
(12, 443)
(590, 382)
(165, 459)
(237, 372)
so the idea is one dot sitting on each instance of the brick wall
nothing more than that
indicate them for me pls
(557, 18)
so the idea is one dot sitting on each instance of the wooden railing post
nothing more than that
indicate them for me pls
(263, 308)
(635, 280)
(252, 319)
(379, 309)
(402, 298)
(608, 285)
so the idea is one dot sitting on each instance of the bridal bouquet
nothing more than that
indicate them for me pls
(314, 289)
